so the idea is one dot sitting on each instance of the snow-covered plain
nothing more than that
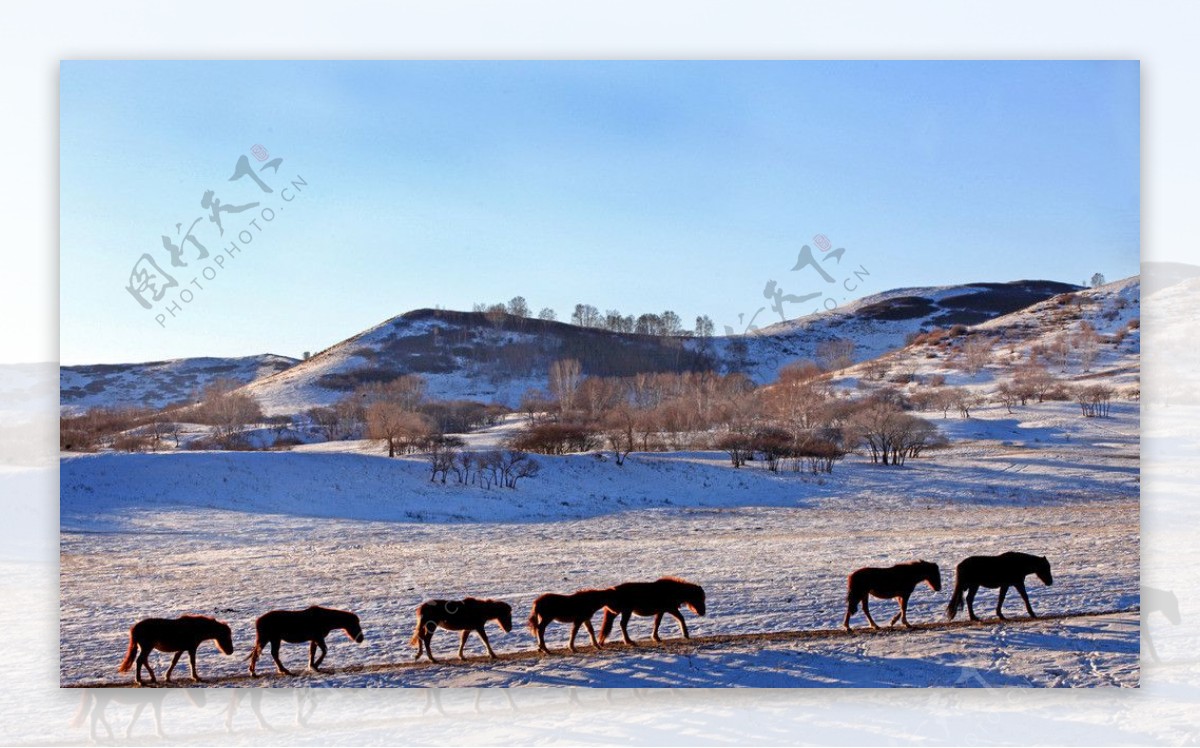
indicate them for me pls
(236, 534)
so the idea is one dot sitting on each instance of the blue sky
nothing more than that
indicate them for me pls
(637, 186)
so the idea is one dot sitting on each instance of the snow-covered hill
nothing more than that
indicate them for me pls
(1113, 311)
(471, 356)
(157, 383)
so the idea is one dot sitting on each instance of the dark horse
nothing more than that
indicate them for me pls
(310, 625)
(467, 615)
(651, 599)
(179, 635)
(1003, 571)
(576, 609)
(896, 582)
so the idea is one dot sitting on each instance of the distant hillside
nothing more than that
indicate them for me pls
(1113, 310)
(157, 383)
(472, 355)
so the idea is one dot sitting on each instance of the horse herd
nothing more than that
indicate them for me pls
(665, 596)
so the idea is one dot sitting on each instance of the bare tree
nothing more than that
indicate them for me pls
(496, 314)
(565, 376)
(227, 410)
(1095, 400)
(547, 314)
(328, 422)
(671, 323)
(619, 427)
(837, 353)
(976, 352)
(518, 307)
(739, 447)
(401, 429)
(585, 315)
(890, 435)
(1087, 344)
(648, 324)
(704, 327)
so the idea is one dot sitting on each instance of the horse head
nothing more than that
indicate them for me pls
(504, 616)
(224, 638)
(933, 575)
(695, 599)
(1043, 571)
(354, 629)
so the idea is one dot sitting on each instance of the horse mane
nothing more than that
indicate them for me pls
(692, 590)
(489, 605)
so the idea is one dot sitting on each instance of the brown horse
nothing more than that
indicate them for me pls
(1003, 571)
(467, 615)
(576, 609)
(310, 625)
(656, 599)
(179, 635)
(893, 583)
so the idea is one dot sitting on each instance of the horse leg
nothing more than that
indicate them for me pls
(312, 655)
(574, 631)
(174, 660)
(682, 623)
(486, 643)
(275, 656)
(851, 609)
(903, 614)
(1000, 601)
(428, 640)
(867, 610)
(192, 662)
(324, 651)
(625, 628)
(144, 659)
(1025, 596)
(541, 635)
(462, 642)
(971, 601)
(587, 623)
(657, 622)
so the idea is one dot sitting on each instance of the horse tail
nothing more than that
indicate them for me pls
(610, 616)
(956, 600)
(130, 654)
(416, 637)
(256, 650)
(533, 619)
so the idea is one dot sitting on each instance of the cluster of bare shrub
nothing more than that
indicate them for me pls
(399, 413)
(1095, 400)
(798, 421)
(219, 406)
(487, 468)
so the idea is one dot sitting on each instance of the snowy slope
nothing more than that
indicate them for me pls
(157, 383)
(1114, 310)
